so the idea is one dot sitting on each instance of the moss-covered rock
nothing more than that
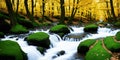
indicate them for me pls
(91, 28)
(41, 50)
(60, 29)
(39, 39)
(10, 50)
(98, 53)
(85, 45)
(4, 26)
(27, 23)
(117, 24)
(111, 44)
(18, 29)
(1, 34)
(117, 36)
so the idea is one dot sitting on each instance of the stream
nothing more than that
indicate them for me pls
(68, 43)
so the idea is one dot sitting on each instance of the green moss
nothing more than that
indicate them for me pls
(91, 28)
(10, 50)
(18, 29)
(111, 44)
(84, 46)
(118, 36)
(117, 24)
(1, 34)
(58, 29)
(39, 39)
(41, 49)
(98, 53)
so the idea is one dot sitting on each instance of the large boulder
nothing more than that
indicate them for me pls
(98, 53)
(60, 30)
(91, 28)
(1, 34)
(111, 44)
(39, 39)
(117, 36)
(10, 50)
(18, 29)
(84, 46)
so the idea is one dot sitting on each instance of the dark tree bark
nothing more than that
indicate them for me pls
(108, 12)
(62, 12)
(112, 10)
(11, 12)
(74, 10)
(28, 12)
(32, 7)
(43, 9)
(17, 7)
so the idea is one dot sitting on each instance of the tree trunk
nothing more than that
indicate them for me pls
(28, 12)
(11, 12)
(17, 7)
(112, 10)
(43, 9)
(108, 12)
(62, 12)
(74, 10)
(32, 7)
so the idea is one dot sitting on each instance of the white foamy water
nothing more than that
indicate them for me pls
(57, 44)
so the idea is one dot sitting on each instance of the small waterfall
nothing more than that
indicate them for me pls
(58, 44)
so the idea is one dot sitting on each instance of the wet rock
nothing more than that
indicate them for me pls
(39, 39)
(92, 28)
(117, 36)
(18, 29)
(84, 46)
(10, 50)
(61, 53)
(75, 36)
(60, 30)
(41, 50)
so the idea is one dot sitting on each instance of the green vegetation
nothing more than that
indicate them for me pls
(1, 34)
(41, 50)
(117, 24)
(85, 45)
(111, 44)
(98, 53)
(91, 28)
(10, 50)
(39, 39)
(18, 29)
(118, 36)
(60, 29)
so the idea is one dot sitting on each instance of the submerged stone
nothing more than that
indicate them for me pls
(75, 36)
(10, 50)
(39, 39)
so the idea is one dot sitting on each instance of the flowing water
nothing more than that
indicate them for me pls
(69, 45)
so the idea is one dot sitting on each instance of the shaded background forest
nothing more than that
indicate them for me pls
(72, 10)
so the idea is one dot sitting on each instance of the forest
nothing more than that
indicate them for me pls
(59, 29)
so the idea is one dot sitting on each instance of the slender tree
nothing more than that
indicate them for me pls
(11, 13)
(43, 9)
(62, 11)
(74, 10)
(30, 16)
(112, 10)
